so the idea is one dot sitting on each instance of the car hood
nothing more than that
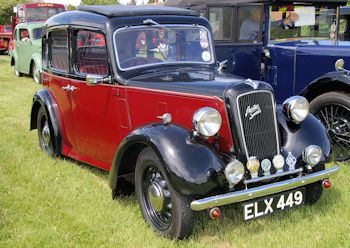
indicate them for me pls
(198, 82)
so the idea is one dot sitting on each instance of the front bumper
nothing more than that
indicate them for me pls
(273, 188)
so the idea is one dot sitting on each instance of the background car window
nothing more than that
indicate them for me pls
(58, 50)
(249, 19)
(37, 33)
(23, 34)
(220, 19)
(90, 53)
(344, 28)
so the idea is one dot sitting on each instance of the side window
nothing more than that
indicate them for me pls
(23, 34)
(249, 23)
(90, 53)
(220, 19)
(344, 29)
(58, 50)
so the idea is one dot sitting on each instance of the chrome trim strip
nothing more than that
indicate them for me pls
(240, 119)
(259, 179)
(244, 195)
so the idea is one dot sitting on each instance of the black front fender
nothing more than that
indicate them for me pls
(294, 138)
(192, 167)
(43, 99)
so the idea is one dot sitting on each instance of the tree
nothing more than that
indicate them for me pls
(98, 2)
(6, 9)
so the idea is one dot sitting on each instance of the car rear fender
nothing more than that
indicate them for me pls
(43, 99)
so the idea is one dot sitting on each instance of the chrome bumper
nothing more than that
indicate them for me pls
(273, 188)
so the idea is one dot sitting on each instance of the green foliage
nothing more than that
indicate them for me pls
(6, 9)
(98, 2)
(63, 203)
(71, 7)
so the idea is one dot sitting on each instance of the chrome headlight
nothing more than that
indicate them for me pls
(207, 121)
(312, 155)
(234, 172)
(296, 108)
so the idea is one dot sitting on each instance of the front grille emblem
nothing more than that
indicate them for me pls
(252, 111)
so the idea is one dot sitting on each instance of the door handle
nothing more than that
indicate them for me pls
(69, 88)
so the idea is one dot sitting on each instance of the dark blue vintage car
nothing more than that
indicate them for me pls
(294, 46)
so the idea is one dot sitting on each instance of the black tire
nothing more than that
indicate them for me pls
(173, 217)
(314, 190)
(46, 140)
(333, 110)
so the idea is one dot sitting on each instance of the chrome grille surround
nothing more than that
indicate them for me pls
(266, 131)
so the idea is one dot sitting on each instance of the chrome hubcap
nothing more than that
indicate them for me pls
(46, 134)
(156, 196)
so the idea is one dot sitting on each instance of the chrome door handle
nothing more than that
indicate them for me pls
(69, 88)
(66, 88)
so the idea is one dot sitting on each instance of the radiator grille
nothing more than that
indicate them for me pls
(258, 123)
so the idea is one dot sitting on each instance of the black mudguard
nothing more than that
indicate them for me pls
(192, 167)
(43, 98)
(294, 138)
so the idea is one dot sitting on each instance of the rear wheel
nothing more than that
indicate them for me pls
(333, 110)
(45, 133)
(163, 208)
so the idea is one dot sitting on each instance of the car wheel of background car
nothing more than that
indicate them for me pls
(45, 133)
(17, 73)
(35, 73)
(314, 190)
(333, 110)
(166, 211)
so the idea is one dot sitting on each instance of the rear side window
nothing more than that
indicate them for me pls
(220, 19)
(249, 23)
(90, 53)
(58, 50)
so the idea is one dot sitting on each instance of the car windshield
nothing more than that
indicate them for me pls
(149, 45)
(37, 32)
(38, 14)
(302, 22)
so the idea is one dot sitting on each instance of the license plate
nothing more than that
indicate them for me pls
(272, 204)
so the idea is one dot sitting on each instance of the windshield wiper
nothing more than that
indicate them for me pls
(152, 22)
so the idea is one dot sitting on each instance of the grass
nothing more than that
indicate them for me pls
(60, 203)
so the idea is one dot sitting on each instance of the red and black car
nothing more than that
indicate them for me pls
(137, 91)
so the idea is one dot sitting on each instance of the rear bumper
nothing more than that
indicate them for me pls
(244, 195)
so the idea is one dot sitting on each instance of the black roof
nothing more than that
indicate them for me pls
(203, 3)
(132, 10)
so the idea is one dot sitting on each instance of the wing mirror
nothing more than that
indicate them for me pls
(92, 80)
(222, 65)
(339, 64)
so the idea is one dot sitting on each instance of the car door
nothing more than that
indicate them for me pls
(96, 109)
(24, 50)
(55, 78)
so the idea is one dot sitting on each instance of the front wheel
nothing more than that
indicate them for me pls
(163, 208)
(333, 110)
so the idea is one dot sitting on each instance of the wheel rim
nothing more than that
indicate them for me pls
(45, 140)
(336, 119)
(156, 198)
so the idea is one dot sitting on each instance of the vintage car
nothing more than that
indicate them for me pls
(291, 44)
(5, 36)
(26, 55)
(137, 91)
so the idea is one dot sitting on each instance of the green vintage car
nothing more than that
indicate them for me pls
(26, 57)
